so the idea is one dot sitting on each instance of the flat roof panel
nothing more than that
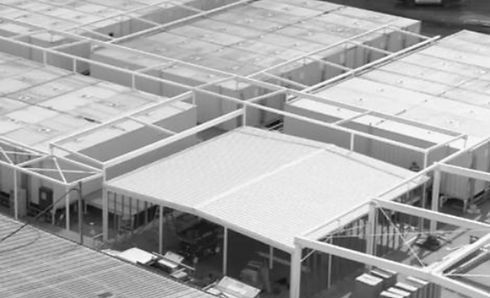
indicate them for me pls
(45, 103)
(442, 85)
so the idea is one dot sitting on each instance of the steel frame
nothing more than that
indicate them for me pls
(434, 272)
(300, 241)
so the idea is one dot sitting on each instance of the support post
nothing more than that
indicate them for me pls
(424, 192)
(271, 257)
(16, 196)
(160, 229)
(244, 115)
(294, 285)
(471, 181)
(105, 215)
(436, 186)
(67, 209)
(80, 212)
(329, 272)
(371, 230)
(225, 250)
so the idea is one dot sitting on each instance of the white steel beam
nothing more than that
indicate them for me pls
(16, 196)
(76, 153)
(105, 214)
(339, 221)
(185, 19)
(225, 251)
(362, 45)
(371, 64)
(362, 257)
(32, 173)
(345, 120)
(449, 141)
(461, 254)
(371, 230)
(151, 125)
(425, 274)
(436, 186)
(34, 160)
(67, 209)
(268, 95)
(460, 171)
(329, 63)
(428, 214)
(287, 81)
(160, 228)
(329, 125)
(133, 73)
(295, 272)
(181, 135)
(143, 109)
(7, 158)
(317, 51)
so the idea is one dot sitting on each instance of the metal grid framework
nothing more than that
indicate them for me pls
(315, 239)
(270, 89)
(52, 168)
(273, 89)
(101, 14)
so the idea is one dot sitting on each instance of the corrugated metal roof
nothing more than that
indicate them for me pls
(264, 184)
(37, 264)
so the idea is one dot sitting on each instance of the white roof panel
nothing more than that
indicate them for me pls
(445, 85)
(266, 185)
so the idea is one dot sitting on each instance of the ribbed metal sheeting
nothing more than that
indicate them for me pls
(37, 264)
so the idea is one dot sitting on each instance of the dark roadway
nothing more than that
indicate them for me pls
(437, 20)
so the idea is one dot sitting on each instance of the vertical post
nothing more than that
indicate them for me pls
(329, 269)
(225, 250)
(16, 196)
(371, 230)
(471, 181)
(160, 229)
(352, 140)
(105, 215)
(67, 208)
(244, 116)
(80, 212)
(424, 193)
(114, 221)
(436, 185)
(295, 281)
(53, 215)
(271, 257)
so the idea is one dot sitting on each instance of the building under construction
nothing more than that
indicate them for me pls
(294, 148)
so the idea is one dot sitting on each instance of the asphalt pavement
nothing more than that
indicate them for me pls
(437, 20)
